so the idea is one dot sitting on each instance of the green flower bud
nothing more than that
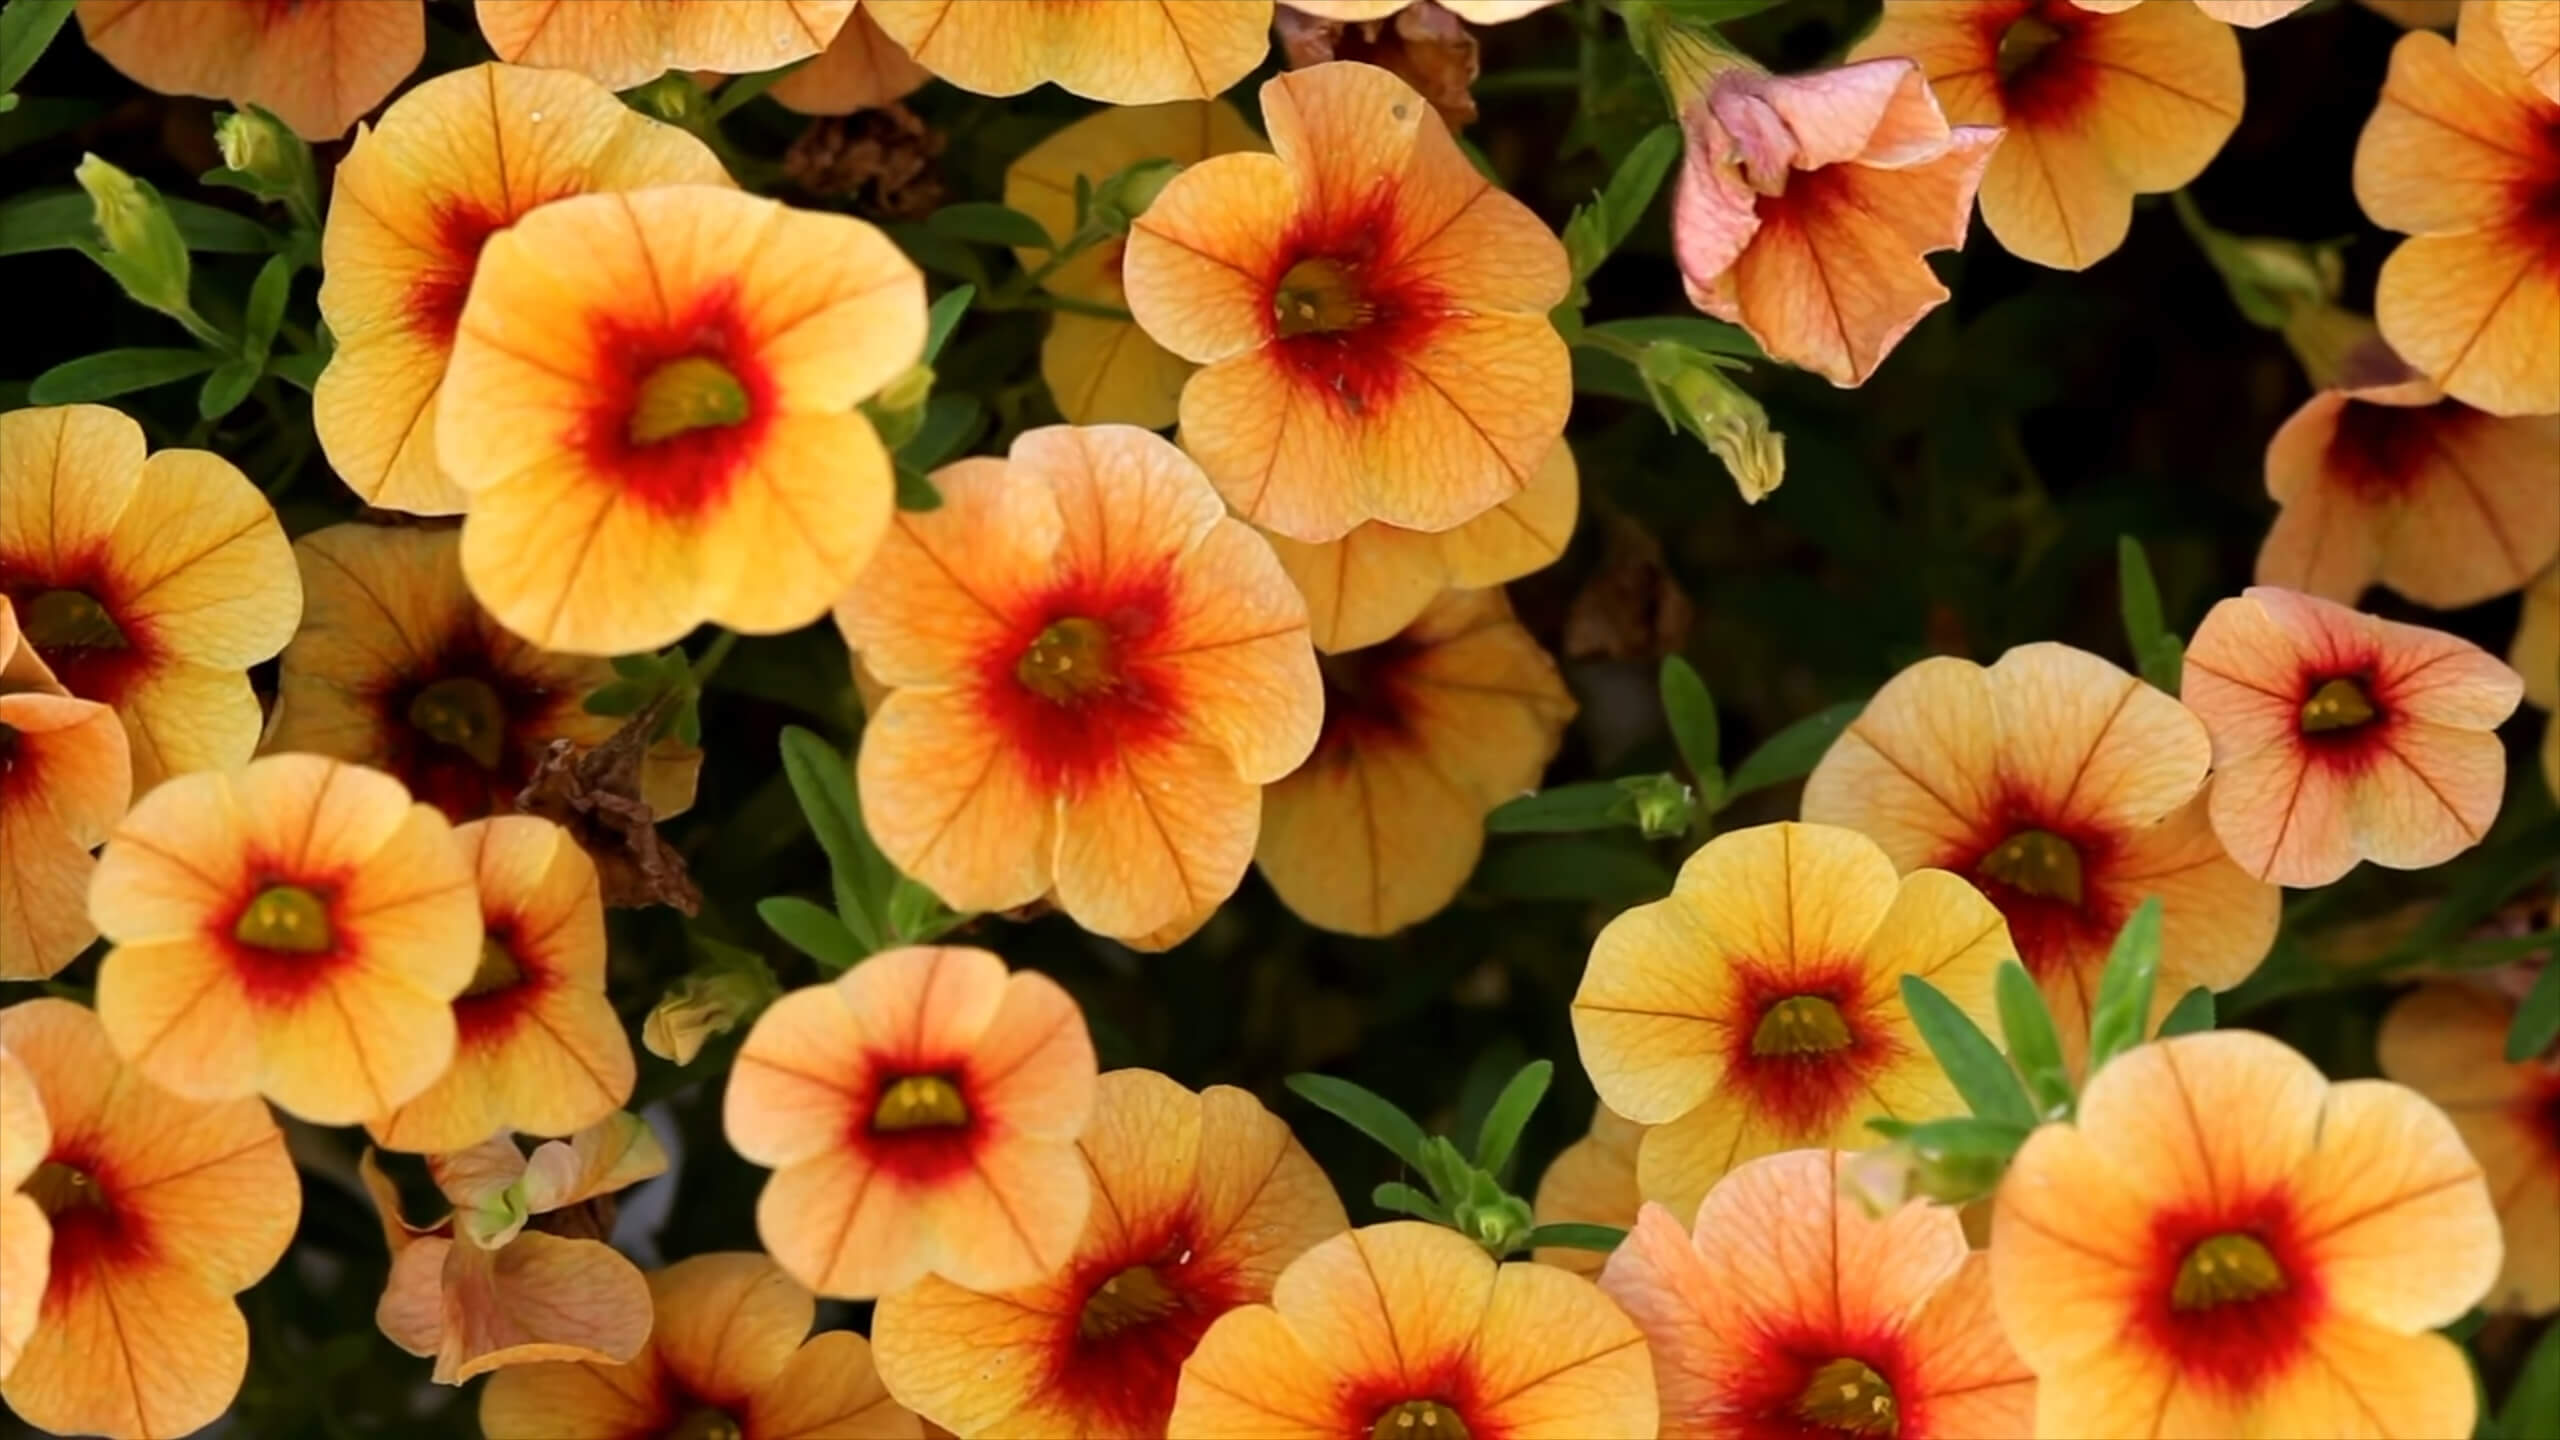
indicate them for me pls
(1121, 199)
(1691, 391)
(144, 251)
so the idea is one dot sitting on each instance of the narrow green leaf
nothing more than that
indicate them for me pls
(815, 931)
(1792, 753)
(2532, 1411)
(1365, 1111)
(300, 370)
(1968, 1137)
(1638, 178)
(1691, 710)
(1980, 1074)
(823, 783)
(2537, 1021)
(264, 314)
(2123, 1009)
(1510, 1115)
(1577, 1236)
(747, 87)
(982, 222)
(2192, 1015)
(1398, 1198)
(2156, 652)
(620, 697)
(1711, 337)
(950, 422)
(225, 388)
(1590, 805)
(1616, 871)
(944, 318)
(1714, 12)
(916, 490)
(110, 373)
(63, 220)
(941, 254)
(26, 28)
(2035, 1047)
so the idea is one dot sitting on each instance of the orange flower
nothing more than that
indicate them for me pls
(511, 1276)
(1094, 671)
(1423, 736)
(455, 161)
(396, 667)
(2227, 1244)
(621, 43)
(2067, 790)
(920, 1115)
(318, 65)
(538, 1048)
(1372, 313)
(1118, 54)
(2338, 737)
(297, 929)
(1206, 1198)
(1474, 12)
(1376, 580)
(1791, 1311)
(651, 403)
(161, 1209)
(1407, 1329)
(26, 1235)
(2099, 108)
(2463, 155)
(2536, 657)
(861, 69)
(1103, 371)
(2441, 502)
(150, 586)
(727, 1357)
(65, 779)
(1759, 1008)
(2248, 13)
(1591, 1182)
(1792, 180)
(2448, 1041)
(2531, 30)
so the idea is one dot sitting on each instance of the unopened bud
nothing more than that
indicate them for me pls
(897, 412)
(1121, 199)
(271, 161)
(1681, 44)
(1691, 391)
(143, 249)
(1662, 805)
(700, 1006)
(1500, 1223)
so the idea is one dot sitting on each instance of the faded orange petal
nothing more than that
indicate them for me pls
(318, 65)
(1118, 54)
(861, 69)
(2447, 1041)
(2531, 30)
(620, 43)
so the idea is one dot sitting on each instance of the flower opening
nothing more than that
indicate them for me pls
(920, 1102)
(2338, 704)
(60, 1189)
(1319, 296)
(707, 1423)
(2226, 1269)
(287, 919)
(2023, 43)
(1800, 1025)
(1068, 660)
(55, 620)
(691, 392)
(1128, 1299)
(498, 970)
(1418, 1419)
(464, 712)
(2038, 863)
(1848, 1396)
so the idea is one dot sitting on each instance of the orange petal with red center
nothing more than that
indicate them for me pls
(1657, 1276)
(1162, 835)
(1201, 262)
(861, 69)
(70, 779)
(1826, 285)
(1556, 1357)
(949, 801)
(622, 43)
(1591, 1182)
(2371, 1380)
(2473, 311)
(1790, 1248)
(1392, 1305)
(2531, 30)
(2096, 745)
(2071, 1263)
(942, 590)
(538, 1298)
(728, 1323)
(1973, 1377)
(2443, 153)
(1250, 1378)
(2218, 921)
(318, 67)
(2482, 517)
(83, 1373)
(2146, 1111)
(1917, 770)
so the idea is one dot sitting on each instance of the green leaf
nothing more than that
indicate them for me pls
(1792, 753)
(1714, 12)
(2532, 1411)
(2537, 1021)
(1970, 1137)
(225, 388)
(1711, 337)
(300, 370)
(916, 490)
(63, 220)
(823, 782)
(1980, 1074)
(26, 28)
(2192, 1015)
(1565, 809)
(1616, 872)
(2123, 1009)
(747, 87)
(944, 318)
(264, 314)
(2035, 1047)
(950, 422)
(941, 254)
(620, 697)
(110, 373)
(981, 222)
(1510, 1115)
(1398, 1198)
(1599, 228)
(1691, 710)
(814, 931)
(1577, 1236)
(1365, 1111)
(2157, 653)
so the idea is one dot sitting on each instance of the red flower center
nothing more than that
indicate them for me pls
(2051, 879)
(1076, 684)
(1118, 1354)
(2337, 704)
(71, 618)
(1344, 313)
(2232, 1294)
(2039, 52)
(1365, 700)
(59, 1189)
(1804, 1045)
(286, 937)
(91, 1232)
(435, 298)
(2038, 863)
(511, 976)
(1418, 1420)
(456, 729)
(680, 406)
(2537, 195)
(2378, 451)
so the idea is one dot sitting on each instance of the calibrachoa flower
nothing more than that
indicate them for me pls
(538, 1049)
(1101, 370)
(1371, 310)
(162, 1209)
(2447, 1042)
(517, 1273)
(297, 929)
(1118, 54)
(2463, 155)
(2227, 1244)
(1758, 1008)
(1411, 1330)
(2531, 30)
(1591, 1182)
(2067, 791)
(455, 161)
(397, 667)
(147, 585)
(860, 69)
(1202, 1201)
(730, 1356)
(26, 1235)
(1423, 736)
(2395, 483)
(2098, 108)
(1474, 12)
(1792, 180)
(1094, 671)
(1791, 1311)
(920, 1114)
(1376, 580)
(2338, 737)
(622, 44)
(65, 779)
(651, 403)
(2536, 657)
(318, 64)
(2231, 12)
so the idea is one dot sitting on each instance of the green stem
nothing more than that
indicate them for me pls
(1523, 82)
(713, 657)
(1608, 344)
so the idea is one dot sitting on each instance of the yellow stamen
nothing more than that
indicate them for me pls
(285, 918)
(707, 1424)
(1419, 1420)
(1126, 1300)
(69, 620)
(694, 393)
(1801, 1025)
(1068, 660)
(1318, 297)
(1850, 1397)
(2038, 862)
(2023, 43)
(2339, 704)
(57, 1188)
(920, 1102)
(464, 713)
(2224, 1270)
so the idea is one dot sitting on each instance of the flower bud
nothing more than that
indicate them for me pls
(701, 1005)
(1662, 805)
(1121, 199)
(897, 412)
(1690, 390)
(143, 249)
(271, 161)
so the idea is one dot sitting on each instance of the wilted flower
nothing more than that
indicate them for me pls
(317, 66)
